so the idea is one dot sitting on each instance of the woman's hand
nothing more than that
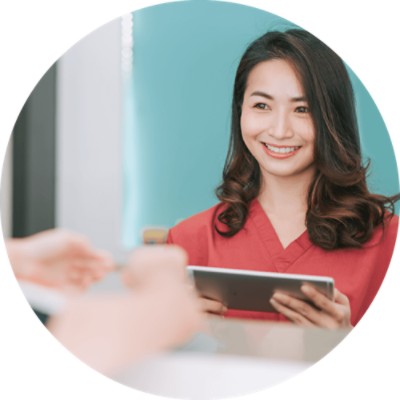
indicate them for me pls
(322, 312)
(212, 306)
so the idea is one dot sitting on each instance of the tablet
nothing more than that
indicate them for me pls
(251, 290)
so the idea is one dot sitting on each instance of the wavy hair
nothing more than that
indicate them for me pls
(341, 212)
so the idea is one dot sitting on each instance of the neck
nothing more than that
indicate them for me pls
(285, 195)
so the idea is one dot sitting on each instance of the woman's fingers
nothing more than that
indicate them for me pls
(340, 298)
(338, 309)
(321, 311)
(213, 306)
(320, 300)
(293, 309)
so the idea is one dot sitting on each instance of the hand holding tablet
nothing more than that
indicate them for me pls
(252, 290)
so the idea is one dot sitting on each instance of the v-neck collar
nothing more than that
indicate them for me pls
(281, 257)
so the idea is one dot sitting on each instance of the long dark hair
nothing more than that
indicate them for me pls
(341, 210)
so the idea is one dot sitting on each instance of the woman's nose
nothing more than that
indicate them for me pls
(280, 127)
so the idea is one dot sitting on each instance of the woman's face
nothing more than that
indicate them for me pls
(276, 124)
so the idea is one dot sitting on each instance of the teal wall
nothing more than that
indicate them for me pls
(375, 141)
(178, 110)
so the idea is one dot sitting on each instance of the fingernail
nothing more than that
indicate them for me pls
(305, 289)
(277, 297)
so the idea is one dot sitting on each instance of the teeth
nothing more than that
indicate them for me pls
(281, 150)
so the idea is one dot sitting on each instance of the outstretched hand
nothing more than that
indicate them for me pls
(158, 311)
(58, 258)
(322, 312)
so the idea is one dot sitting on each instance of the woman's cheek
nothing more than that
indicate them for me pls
(251, 125)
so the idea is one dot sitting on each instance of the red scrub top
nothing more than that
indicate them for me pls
(358, 273)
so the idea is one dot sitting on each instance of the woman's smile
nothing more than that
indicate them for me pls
(280, 151)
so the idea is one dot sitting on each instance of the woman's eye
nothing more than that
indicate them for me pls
(261, 106)
(302, 109)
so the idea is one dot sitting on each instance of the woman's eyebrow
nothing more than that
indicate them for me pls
(269, 97)
(262, 94)
(298, 99)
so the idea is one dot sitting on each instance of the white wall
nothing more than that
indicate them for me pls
(6, 192)
(89, 155)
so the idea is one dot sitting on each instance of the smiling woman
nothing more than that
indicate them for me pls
(294, 196)
(275, 122)
(278, 130)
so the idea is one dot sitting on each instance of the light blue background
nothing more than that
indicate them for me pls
(177, 110)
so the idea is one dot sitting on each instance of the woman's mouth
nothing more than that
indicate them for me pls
(280, 151)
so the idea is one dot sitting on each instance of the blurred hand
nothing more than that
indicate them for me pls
(112, 331)
(165, 299)
(149, 264)
(58, 258)
(172, 265)
(322, 312)
(162, 311)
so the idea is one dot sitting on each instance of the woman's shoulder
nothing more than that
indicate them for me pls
(393, 220)
(194, 235)
(391, 226)
(200, 222)
(386, 233)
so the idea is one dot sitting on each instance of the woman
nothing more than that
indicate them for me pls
(294, 196)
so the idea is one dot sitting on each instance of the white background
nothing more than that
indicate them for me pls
(34, 34)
